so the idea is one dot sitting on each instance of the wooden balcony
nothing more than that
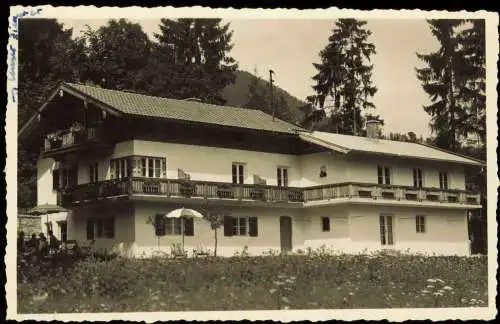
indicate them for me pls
(187, 189)
(68, 141)
(390, 193)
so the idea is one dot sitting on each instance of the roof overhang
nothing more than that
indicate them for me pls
(308, 137)
(313, 140)
(60, 89)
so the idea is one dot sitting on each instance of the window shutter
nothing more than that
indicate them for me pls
(189, 227)
(55, 179)
(228, 226)
(253, 228)
(90, 229)
(380, 175)
(159, 223)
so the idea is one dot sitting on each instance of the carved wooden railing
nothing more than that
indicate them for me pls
(264, 193)
(68, 138)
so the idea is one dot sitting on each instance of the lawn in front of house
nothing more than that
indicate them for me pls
(311, 281)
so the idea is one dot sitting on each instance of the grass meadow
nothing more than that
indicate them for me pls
(311, 281)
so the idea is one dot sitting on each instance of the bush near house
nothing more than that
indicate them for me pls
(308, 281)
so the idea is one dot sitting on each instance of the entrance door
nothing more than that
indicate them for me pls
(286, 233)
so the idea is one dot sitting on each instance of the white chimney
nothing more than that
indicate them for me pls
(373, 128)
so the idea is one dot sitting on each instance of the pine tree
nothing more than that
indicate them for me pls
(197, 52)
(344, 75)
(450, 80)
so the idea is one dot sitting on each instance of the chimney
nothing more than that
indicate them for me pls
(373, 128)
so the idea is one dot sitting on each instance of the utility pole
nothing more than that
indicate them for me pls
(271, 72)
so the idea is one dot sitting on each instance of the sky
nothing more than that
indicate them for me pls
(290, 46)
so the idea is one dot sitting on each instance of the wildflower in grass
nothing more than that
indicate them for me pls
(351, 293)
(425, 291)
(278, 283)
(447, 288)
(430, 286)
(440, 281)
(431, 280)
(437, 293)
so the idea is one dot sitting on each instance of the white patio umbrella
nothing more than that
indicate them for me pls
(183, 213)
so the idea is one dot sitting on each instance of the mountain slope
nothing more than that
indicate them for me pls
(236, 94)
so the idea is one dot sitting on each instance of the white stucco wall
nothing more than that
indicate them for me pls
(365, 170)
(44, 193)
(122, 243)
(445, 230)
(214, 164)
(268, 232)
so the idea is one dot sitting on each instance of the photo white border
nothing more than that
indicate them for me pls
(92, 12)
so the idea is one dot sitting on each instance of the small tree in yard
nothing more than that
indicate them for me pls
(215, 215)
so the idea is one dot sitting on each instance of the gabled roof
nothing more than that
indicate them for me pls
(134, 104)
(348, 143)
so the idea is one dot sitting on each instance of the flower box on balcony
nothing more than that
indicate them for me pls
(225, 191)
(258, 194)
(187, 189)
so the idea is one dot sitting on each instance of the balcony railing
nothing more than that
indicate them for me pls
(389, 192)
(68, 139)
(262, 193)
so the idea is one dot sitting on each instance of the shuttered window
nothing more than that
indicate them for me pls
(159, 224)
(55, 179)
(240, 226)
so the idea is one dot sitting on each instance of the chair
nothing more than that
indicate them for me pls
(178, 251)
(200, 251)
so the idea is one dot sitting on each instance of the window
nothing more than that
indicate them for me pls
(420, 223)
(238, 173)
(93, 173)
(68, 177)
(150, 167)
(282, 177)
(173, 226)
(325, 224)
(118, 168)
(384, 175)
(386, 233)
(101, 228)
(240, 226)
(417, 178)
(443, 180)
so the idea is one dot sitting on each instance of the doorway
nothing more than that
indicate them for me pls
(286, 233)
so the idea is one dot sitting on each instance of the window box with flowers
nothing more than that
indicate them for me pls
(55, 140)
(78, 131)
(186, 188)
